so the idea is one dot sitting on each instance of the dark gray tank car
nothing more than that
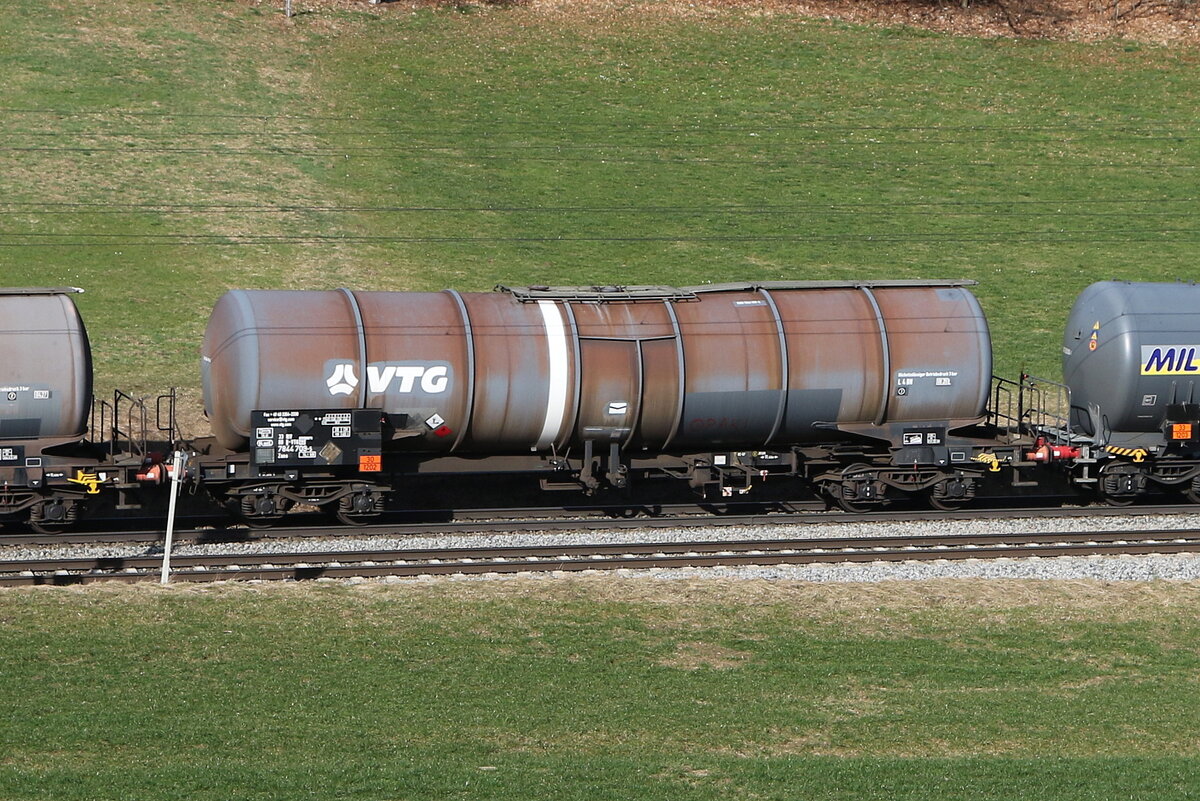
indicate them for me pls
(1131, 358)
(46, 367)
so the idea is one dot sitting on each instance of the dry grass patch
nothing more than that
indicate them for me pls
(700, 603)
(696, 655)
(705, 599)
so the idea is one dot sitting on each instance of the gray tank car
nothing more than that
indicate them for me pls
(46, 370)
(1131, 364)
(859, 393)
(1131, 357)
(45, 401)
(652, 368)
(51, 469)
(707, 383)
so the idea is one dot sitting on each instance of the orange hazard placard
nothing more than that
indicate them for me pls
(1181, 431)
(370, 463)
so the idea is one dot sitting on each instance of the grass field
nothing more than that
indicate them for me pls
(602, 689)
(159, 153)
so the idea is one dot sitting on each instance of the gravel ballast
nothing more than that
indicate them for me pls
(1178, 567)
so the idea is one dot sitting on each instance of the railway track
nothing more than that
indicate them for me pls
(432, 522)
(624, 556)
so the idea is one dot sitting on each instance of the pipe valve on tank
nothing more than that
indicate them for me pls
(1046, 452)
(156, 470)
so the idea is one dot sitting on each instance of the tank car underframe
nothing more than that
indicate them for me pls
(1121, 467)
(253, 494)
(853, 476)
(60, 492)
(861, 487)
(351, 501)
(46, 491)
(44, 507)
(1125, 468)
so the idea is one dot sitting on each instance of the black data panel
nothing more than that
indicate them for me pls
(317, 438)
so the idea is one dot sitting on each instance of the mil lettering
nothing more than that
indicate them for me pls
(1164, 360)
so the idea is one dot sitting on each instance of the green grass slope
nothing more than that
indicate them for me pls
(159, 153)
(601, 689)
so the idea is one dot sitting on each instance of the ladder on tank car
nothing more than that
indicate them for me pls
(125, 424)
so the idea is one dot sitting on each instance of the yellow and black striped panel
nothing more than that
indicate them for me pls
(1137, 454)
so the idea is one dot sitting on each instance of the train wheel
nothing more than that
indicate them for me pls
(48, 528)
(951, 494)
(858, 492)
(946, 505)
(1121, 488)
(52, 516)
(1192, 493)
(359, 508)
(261, 510)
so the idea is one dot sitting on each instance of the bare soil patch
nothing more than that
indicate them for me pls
(1170, 22)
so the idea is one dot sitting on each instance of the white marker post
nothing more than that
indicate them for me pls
(176, 478)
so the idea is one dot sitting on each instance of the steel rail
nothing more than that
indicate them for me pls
(555, 558)
(579, 519)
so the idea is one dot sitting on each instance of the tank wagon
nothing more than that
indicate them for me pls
(1131, 370)
(863, 393)
(46, 375)
(591, 388)
(48, 467)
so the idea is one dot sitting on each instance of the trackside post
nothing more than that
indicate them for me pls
(176, 478)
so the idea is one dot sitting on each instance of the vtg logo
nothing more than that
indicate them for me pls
(342, 380)
(432, 378)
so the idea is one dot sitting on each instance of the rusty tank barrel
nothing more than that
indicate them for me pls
(658, 369)
(45, 366)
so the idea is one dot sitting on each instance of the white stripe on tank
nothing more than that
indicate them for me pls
(556, 400)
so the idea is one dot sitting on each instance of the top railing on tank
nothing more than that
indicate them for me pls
(41, 290)
(617, 292)
(596, 293)
(895, 283)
